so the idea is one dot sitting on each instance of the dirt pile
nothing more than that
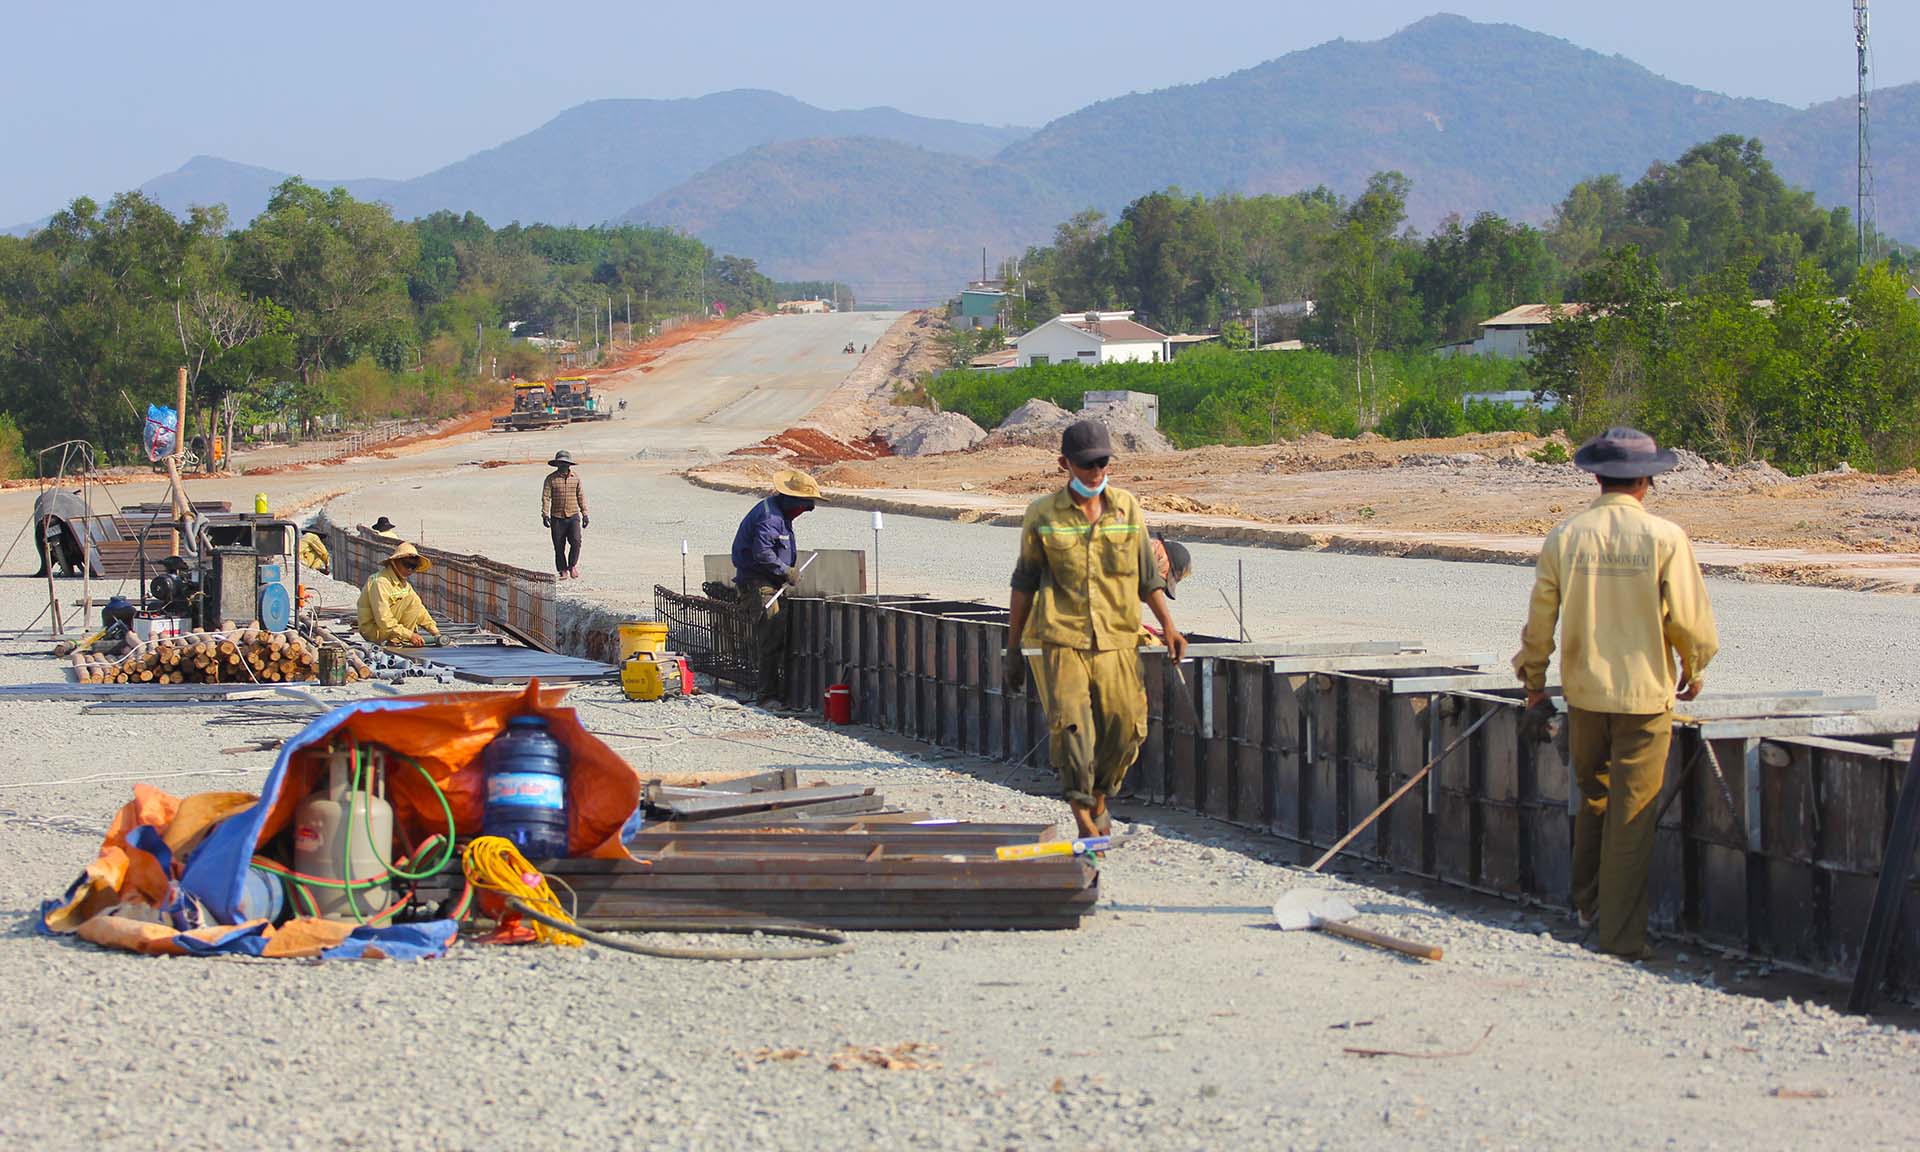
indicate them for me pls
(1040, 422)
(812, 448)
(923, 432)
(848, 476)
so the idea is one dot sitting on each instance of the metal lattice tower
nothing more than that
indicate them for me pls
(1863, 193)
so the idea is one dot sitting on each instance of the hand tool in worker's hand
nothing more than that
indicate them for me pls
(792, 581)
(1190, 712)
(1401, 791)
(1080, 846)
(1309, 909)
(1536, 723)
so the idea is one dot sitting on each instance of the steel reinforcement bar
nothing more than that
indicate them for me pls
(1773, 846)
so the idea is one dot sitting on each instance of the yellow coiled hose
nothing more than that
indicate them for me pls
(493, 864)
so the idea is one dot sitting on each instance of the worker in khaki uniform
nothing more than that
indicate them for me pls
(390, 611)
(1627, 594)
(313, 554)
(563, 510)
(1085, 568)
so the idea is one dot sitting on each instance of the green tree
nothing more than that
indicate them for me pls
(339, 266)
(1365, 302)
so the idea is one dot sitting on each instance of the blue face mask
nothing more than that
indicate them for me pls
(1084, 492)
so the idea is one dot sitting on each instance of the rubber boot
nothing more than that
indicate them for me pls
(1082, 819)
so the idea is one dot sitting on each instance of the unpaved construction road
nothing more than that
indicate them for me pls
(1176, 1018)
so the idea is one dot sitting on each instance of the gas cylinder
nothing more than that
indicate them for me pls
(527, 789)
(343, 833)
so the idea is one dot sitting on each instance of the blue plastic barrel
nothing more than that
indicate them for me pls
(527, 789)
(262, 896)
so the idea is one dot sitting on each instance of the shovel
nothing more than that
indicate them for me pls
(1305, 909)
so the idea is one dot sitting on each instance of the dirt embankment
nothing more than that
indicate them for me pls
(1490, 483)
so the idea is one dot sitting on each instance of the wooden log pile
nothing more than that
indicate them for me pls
(228, 656)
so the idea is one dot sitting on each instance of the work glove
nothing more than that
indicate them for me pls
(583, 520)
(792, 577)
(546, 521)
(1013, 668)
(1536, 723)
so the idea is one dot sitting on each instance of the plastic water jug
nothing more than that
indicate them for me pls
(527, 789)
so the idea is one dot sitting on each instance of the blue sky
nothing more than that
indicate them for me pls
(106, 96)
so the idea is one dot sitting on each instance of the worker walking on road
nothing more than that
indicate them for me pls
(1627, 594)
(1085, 568)
(390, 611)
(563, 509)
(764, 558)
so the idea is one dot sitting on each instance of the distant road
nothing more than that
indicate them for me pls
(748, 383)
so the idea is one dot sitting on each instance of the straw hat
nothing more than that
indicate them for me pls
(406, 551)
(797, 484)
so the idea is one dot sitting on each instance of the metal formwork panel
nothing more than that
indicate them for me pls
(1323, 813)
(1407, 826)
(1502, 847)
(1246, 731)
(1148, 780)
(1214, 755)
(1363, 772)
(1285, 722)
(1453, 807)
(995, 719)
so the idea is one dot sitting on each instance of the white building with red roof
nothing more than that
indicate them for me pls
(1092, 338)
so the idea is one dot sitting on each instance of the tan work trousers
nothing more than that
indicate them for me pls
(1097, 716)
(1620, 764)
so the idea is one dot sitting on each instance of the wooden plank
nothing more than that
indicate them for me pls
(765, 801)
(1285, 751)
(855, 806)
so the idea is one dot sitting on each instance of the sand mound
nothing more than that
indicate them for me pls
(1039, 423)
(922, 432)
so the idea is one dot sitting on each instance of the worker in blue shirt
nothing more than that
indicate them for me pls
(764, 558)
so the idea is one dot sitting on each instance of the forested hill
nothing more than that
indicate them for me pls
(1479, 116)
(590, 163)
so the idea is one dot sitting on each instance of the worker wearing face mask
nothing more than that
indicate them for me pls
(764, 558)
(1085, 568)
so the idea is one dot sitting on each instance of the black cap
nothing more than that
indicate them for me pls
(1623, 454)
(1179, 563)
(1085, 441)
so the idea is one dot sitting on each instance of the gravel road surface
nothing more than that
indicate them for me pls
(1176, 1018)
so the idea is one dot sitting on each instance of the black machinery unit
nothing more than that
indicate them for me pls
(243, 567)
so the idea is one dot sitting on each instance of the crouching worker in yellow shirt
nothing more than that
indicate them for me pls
(1627, 594)
(1085, 569)
(390, 610)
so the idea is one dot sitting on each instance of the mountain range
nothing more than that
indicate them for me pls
(1479, 116)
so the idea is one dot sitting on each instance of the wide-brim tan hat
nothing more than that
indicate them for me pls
(562, 457)
(797, 484)
(406, 551)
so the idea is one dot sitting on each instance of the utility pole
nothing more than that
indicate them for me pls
(1863, 186)
(629, 313)
(480, 348)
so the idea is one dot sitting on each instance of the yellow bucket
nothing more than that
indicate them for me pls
(642, 636)
(640, 678)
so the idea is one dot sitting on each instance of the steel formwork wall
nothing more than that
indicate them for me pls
(1783, 863)
(470, 589)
